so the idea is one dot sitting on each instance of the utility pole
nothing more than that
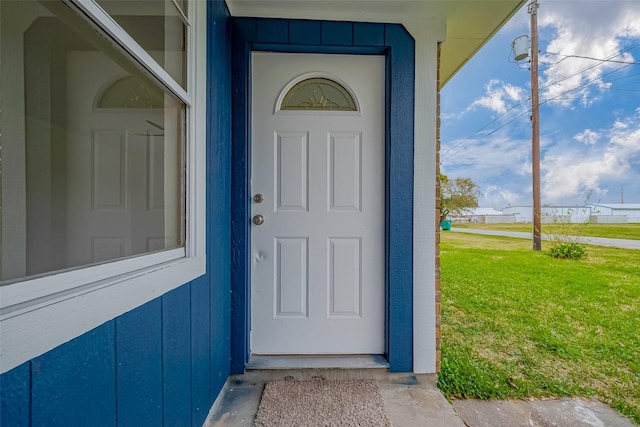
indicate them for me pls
(520, 53)
(535, 128)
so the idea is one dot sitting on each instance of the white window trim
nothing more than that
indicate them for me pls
(129, 44)
(40, 314)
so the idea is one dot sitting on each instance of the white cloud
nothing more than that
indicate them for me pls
(499, 197)
(484, 156)
(500, 96)
(591, 29)
(587, 137)
(574, 174)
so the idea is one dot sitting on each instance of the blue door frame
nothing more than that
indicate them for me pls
(283, 35)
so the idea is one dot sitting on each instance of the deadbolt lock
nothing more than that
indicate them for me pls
(258, 198)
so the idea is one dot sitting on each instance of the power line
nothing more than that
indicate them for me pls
(589, 67)
(601, 61)
(508, 123)
(450, 152)
(551, 65)
(485, 126)
(623, 77)
(613, 55)
(482, 136)
(589, 82)
(594, 59)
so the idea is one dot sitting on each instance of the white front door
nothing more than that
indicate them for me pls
(318, 258)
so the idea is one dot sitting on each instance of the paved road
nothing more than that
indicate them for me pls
(600, 241)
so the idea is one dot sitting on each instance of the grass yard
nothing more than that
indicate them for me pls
(614, 231)
(517, 323)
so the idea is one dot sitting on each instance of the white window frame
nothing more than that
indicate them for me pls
(38, 315)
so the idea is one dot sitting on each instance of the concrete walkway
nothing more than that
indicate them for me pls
(538, 413)
(600, 241)
(414, 400)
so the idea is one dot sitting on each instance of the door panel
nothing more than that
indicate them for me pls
(345, 284)
(345, 157)
(292, 277)
(318, 268)
(292, 166)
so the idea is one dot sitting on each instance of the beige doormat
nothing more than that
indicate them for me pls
(321, 402)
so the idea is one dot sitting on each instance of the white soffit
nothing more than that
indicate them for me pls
(469, 23)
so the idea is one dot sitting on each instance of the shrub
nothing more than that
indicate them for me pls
(567, 240)
(568, 250)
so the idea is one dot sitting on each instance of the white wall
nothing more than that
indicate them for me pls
(608, 219)
(14, 206)
(499, 219)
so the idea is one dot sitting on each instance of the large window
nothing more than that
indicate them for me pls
(99, 130)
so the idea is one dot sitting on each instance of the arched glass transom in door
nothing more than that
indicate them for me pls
(319, 93)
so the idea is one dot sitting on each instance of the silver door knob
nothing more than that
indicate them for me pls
(258, 219)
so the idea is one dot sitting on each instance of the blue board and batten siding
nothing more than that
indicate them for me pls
(165, 362)
(396, 43)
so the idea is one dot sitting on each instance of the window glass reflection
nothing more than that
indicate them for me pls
(92, 148)
(158, 26)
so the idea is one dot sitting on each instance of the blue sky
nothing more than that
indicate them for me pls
(589, 110)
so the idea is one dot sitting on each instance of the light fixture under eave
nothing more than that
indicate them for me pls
(520, 47)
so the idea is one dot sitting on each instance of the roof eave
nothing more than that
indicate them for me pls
(469, 23)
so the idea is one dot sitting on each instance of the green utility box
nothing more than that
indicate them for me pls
(445, 224)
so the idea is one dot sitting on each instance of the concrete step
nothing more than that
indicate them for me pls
(270, 368)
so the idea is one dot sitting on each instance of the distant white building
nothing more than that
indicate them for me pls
(550, 214)
(522, 213)
(483, 211)
(486, 216)
(612, 212)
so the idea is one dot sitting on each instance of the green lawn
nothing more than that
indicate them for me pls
(615, 231)
(517, 323)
